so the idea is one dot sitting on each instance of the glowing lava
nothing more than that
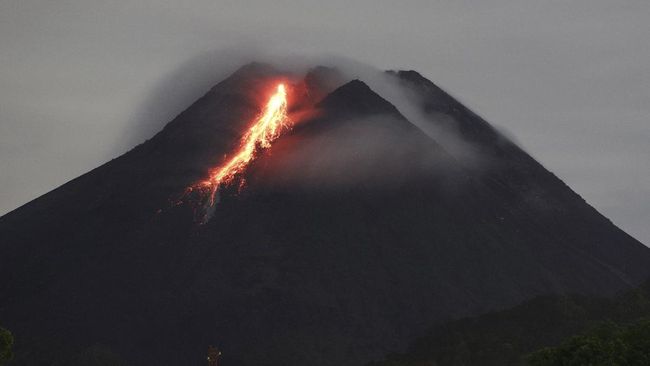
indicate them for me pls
(268, 127)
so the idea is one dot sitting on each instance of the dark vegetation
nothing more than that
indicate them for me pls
(607, 344)
(546, 331)
(6, 345)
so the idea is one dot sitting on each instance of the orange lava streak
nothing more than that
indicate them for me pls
(266, 129)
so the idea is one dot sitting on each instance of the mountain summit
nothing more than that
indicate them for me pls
(354, 232)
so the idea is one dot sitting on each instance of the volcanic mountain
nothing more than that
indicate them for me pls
(348, 237)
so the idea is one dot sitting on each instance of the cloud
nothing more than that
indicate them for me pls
(374, 151)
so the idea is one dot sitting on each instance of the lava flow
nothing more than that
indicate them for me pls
(267, 127)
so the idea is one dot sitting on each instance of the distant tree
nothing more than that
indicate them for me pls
(6, 344)
(607, 344)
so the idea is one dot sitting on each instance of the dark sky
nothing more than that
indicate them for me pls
(82, 81)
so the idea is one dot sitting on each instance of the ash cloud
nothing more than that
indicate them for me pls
(178, 89)
(440, 127)
(366, 151)
(374, 152)
(193, 78)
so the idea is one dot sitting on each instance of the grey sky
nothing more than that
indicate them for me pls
(82, 81)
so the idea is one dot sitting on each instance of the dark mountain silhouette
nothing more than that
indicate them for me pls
(355, 232)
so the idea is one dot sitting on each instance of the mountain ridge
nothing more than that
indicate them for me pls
(354, 233)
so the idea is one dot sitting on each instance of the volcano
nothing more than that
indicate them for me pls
(357, 229)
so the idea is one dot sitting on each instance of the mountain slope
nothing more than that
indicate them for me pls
(524, 184)
(354, 232)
